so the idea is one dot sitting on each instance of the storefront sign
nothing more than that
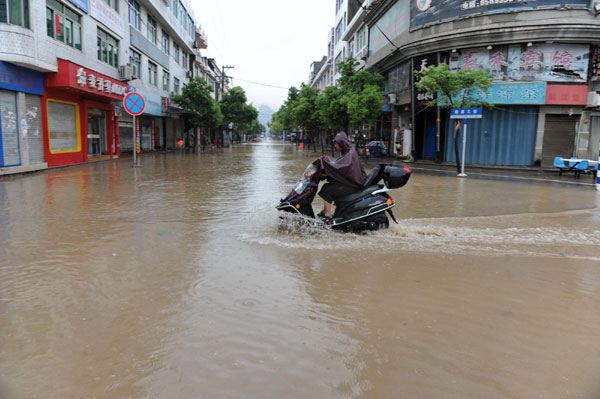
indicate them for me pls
(422, 99)
(81, 4)
(429, 12)
(108, 16)
(77, 77)
(566, 95)
(99, 83)
(16, 78)
(595, 67)
(515, 93)
(387, 106)
(540, 62)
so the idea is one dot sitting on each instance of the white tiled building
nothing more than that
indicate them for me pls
(65, 67)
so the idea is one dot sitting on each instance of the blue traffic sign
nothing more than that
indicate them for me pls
(134, 103)
(466, 113)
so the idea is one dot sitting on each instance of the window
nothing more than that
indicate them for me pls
(165, 43)
(108, 48)
(338, 31)
(152, 30)
(191, 29)
(176, 52)
(176, 85)
(134, 14)
(113, 3)
(152, 72)
(63, 24)
(184, 60)
(361, 38)
(173, 6)
(165, 80)
(182, 15)
(63, 126)
(15, 12)
(135, 58)
(351, 48)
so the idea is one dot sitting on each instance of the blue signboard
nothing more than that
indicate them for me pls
(515, 93)
(81, 4)
(466, 113)
(16, 78)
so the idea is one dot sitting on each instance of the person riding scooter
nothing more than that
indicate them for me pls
(345, 174)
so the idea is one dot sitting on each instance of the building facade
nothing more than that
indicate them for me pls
(69, 64)
(543, 55)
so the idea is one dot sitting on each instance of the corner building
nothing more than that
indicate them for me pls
(65, 67)
(543, 54)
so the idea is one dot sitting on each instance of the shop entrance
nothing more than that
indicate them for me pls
(96, 132)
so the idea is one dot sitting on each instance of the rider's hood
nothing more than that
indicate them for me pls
(343, 141)
(347, 168)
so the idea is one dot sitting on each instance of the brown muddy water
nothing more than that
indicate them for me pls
(177, 280)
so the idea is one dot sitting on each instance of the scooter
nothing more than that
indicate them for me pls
(364, 210)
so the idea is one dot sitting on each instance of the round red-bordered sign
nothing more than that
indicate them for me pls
(134, 103)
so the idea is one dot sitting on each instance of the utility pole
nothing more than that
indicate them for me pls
(223, 76)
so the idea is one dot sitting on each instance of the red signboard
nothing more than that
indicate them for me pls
(566, 94)
(75, 76)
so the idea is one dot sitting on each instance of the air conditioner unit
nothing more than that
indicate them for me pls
(127, 72)
(189, 74)
(593, 99)
(392, 97)
(196, 44)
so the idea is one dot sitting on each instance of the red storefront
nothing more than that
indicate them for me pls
(78, 115)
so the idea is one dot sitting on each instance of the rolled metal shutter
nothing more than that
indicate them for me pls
(35, 138)
(126, 133)
(9, 134)
(559, 138)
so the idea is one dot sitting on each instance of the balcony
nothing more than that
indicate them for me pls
(200, 40)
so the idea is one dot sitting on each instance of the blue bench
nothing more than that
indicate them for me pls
(576, 165)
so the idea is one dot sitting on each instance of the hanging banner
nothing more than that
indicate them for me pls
(430, 12)
(539, 62)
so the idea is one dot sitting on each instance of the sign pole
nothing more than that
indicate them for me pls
(464, 150)
(134, 131)
(598, 173)
(135, 104)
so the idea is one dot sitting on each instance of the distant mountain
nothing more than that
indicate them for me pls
(264, 115)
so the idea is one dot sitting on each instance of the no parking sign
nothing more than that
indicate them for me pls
(135, 104)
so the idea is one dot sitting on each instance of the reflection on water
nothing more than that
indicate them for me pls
(178, 279)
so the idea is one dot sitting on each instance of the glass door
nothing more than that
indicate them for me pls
(96, 132)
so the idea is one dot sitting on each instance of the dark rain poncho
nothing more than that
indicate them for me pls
(347, 168)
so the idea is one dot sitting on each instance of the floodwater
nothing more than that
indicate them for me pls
(177, 280)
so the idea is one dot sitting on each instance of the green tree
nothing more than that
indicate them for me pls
(195, 97)
(357, 100)
(454, 90)
(304, 111)
(235, 110)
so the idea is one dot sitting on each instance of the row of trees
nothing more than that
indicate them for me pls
(207, 113)
(355, 101)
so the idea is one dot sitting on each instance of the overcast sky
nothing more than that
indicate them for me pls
(271, 42)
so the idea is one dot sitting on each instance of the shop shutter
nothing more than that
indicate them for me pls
(35, 139)
(559, 138)
(126, 133)
(11, 154)
(504, 136)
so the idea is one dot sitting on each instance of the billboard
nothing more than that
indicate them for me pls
(429, 12)
(560, 62)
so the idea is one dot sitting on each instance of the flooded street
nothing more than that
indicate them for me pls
(177, 280)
